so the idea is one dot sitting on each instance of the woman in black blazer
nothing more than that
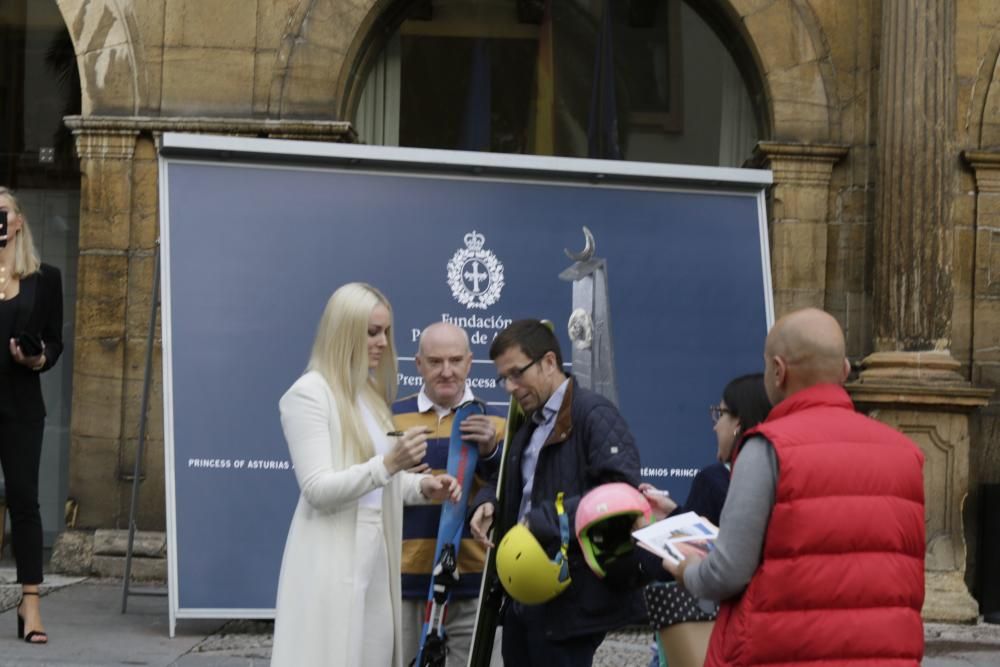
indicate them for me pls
(31, 320)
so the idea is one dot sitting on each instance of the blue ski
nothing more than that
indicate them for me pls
(462, 459)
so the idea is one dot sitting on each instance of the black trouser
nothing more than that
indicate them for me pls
(20, 455)
(525, 644)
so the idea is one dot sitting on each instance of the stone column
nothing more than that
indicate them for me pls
(913, 292)
(911, 381)
(799, 215)
(98, 368)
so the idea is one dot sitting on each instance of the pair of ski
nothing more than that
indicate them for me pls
(462, 460)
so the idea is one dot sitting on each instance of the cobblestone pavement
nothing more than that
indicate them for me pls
(10, 592)
(252, 640)
(88, 629)
(947, 646)
(631, 648)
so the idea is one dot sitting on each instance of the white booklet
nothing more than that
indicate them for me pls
(690, 528)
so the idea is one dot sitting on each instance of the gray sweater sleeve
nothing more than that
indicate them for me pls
(728, 568)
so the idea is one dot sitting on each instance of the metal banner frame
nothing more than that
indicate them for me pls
(186, 159)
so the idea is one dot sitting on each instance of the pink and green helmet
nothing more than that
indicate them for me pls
(604, 520)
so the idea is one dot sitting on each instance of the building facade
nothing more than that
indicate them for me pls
(879, 120)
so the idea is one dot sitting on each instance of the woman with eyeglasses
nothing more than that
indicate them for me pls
(744, 404)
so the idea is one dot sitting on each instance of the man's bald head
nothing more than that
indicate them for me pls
(444, 360)
(803, 349)
(442, 333)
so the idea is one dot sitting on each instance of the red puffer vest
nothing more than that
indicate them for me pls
(841, 580)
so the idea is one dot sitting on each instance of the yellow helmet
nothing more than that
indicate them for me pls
(525, 570)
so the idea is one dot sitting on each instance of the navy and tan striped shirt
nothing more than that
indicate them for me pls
(420, 522)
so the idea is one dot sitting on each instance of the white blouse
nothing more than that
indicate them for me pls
(373, 499)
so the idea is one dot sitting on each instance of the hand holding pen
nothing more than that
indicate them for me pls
(659, 500)
(408, 450)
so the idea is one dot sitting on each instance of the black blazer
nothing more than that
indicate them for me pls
(41, 313)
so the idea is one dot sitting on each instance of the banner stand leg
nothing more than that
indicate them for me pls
(140, 446)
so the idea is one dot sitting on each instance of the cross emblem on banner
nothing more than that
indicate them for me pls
(475, 276)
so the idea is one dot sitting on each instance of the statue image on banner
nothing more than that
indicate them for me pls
(590, 322)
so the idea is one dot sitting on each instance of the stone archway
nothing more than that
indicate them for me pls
(111, 78)
(324, 47)
(796, 71)
(983, 117)
(316, 57)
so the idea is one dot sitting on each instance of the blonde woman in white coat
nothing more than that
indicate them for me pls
(338, 593)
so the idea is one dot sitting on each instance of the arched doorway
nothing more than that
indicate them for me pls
(647, 80)
(39, 85)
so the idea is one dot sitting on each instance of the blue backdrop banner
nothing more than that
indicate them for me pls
(256, 235)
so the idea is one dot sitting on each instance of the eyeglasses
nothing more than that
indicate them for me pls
(716, 412)
(515, 375)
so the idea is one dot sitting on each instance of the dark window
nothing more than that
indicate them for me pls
(626, 79)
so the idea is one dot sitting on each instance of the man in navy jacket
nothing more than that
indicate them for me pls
(573, 441)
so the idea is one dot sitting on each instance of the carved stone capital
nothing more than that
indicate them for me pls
(806, 164)
(105, 144)
(986, 167)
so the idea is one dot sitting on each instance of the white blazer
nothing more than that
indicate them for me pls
(314, 615)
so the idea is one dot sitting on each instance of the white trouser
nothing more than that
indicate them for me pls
(371, 645)
(459, 626)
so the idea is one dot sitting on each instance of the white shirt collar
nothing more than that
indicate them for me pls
(424, 403)
(551, 407)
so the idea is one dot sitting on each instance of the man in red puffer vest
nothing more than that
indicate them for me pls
(820, 556)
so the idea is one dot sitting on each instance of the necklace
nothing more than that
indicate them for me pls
(5, 282)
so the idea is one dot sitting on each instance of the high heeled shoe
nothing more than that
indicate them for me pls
(41, 635)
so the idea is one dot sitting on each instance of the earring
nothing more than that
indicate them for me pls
(736, 433)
